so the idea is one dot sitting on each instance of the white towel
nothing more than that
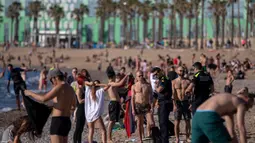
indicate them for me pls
(94, 109)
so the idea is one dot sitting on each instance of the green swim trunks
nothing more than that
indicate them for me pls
(207, 126)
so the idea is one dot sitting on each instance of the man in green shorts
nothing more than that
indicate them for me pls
(207, 124)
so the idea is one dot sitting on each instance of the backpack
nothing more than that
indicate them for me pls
(155, 135)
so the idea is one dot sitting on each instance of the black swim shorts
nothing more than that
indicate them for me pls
(60, 126)
(114, 111)
(182, 110)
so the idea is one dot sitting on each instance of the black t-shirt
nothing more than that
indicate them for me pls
(16, 76)
(172, 75)
(166, 93)
(202, 82)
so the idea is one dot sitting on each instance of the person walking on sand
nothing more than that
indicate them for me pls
(114, 105)
(142, 104)
(18, 82)
(229, 82)
(94, 108)
(181, 104)
(207, 123)
(64, 101)
(43, 79)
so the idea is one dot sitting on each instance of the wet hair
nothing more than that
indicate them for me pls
(23, 64)
(10, 65)
(24, 125)
(88, 77)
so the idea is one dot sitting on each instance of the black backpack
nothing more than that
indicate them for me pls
(155, 135)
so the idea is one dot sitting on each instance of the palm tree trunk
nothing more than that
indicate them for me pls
(125, 29)
(174, 33)
(202, 24)
(131, 29)
(239, 24)
(233, 25)
(196, 35)
(101, 33)
(160, 27)
(251, 21)
(57, 33)
(138, 28)
(12, 21)
(223, 31)
(145, 29)
(253, 29)
(16, 37)
(114, 25)
(78, 35)
(154, 27)
(247, 22)
(217, 32)
(189, 45)
(181, 27)
(109, 30)
(36, 30)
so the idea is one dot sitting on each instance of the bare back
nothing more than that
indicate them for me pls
(142, 92)
(64, 100)
(179, 86)
(223, 104)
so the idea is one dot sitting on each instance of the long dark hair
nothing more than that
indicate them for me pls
(24, 125)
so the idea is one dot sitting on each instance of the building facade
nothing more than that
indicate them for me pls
(90, 27)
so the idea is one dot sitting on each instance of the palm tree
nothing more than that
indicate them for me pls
(160, 7)
(131, 4)
(232, 2)
(78, 14)
(190, 15)
(35, 8)
(196, 6)
(247, 21)
(57, 13)
(154, 10)
(101, 13)
(145, 10)
(14, 13)
(239, 23)
(181, 10)
(216, 8)
(223, 11)
(202, 25)
(172, 18)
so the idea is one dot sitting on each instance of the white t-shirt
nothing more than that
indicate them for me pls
(94, 109)
(152, 82)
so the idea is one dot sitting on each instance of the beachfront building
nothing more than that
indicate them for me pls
(90, 29)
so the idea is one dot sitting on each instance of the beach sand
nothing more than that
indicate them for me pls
(78, 57)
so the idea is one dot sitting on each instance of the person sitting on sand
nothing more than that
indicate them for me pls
(94, 108)
(142, 104)
(64, 100)
(230, 79)
(114, 105)
(17, 128)
(207, 123)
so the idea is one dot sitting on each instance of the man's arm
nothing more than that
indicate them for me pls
(118, 84)
(43, 98)
(190, 88)
(230, 126)
(174, 97)
(133, 99)
(240, 123)
(88, 83)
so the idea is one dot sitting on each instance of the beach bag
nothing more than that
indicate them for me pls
(155, 135)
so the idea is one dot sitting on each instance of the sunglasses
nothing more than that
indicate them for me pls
(140, 76)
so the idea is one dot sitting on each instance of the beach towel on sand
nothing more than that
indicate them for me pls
(38, 113)
(94, 109)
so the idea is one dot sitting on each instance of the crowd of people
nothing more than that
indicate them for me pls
(167, 88)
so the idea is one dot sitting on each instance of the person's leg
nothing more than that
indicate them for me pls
(177, 130)
(56, 139)
(197, 134)
(163, 121)
(140, 126)
(91, 132)
(109, 131)
(188, 128)
(101, 126)
(17, 92)
(150, 123)
(77, 131)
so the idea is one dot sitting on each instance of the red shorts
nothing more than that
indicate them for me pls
(44, 81)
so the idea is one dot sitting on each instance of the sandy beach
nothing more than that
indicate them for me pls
(78, 57)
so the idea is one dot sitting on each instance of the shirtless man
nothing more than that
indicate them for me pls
(181, 103)
(114, 105)
(64, 100)
(207, 123)
(142, 104)
(230, 79)
(24, 73)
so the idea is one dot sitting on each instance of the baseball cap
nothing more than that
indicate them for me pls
(54, 73)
